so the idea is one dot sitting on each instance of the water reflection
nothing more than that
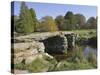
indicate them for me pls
(85, 50)
(88, 49)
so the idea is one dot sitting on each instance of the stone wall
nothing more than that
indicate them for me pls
(27, 48)
(27, 52)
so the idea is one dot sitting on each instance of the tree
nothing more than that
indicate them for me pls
(59, 22)
(66, 25)
(71, 18)
(48, 24)
(91, 23)
(25, 22)
(69, 15)
(80, 20)
(33, 14)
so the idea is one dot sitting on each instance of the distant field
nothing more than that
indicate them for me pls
(86, 33)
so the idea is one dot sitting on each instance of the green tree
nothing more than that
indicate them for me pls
(33, 14)
(91, 23)
(71, 18)
(48, 24)
(80, 21)
(25, 23)
(66, 25)
(59, 22)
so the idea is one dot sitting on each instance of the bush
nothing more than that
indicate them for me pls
(38, 65)
(52, 64)
(41, 65)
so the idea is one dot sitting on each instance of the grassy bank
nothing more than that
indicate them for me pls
(76, 61)
(88, 33)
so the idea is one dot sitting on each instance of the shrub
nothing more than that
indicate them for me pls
(52, 64)
(38, 65)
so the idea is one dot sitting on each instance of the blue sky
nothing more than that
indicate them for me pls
(48, 9)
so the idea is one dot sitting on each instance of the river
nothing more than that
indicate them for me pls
(85, 51)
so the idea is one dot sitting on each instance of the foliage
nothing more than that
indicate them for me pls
(33, 14)
(52, 63)
(59, 22)
(25, 23)
(80, 21)
(20, 66)
(38, 65)
(66, 25)
(77, 61)
(71, 18)
(91, 23)
(48, 24)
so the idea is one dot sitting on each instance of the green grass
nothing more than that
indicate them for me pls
(86, 33)
(20, 66)
(77, 61)
(73, 66)
(38, 65)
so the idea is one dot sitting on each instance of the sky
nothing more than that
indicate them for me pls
(49, 9)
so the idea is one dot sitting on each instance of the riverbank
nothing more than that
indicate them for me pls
(42, 61)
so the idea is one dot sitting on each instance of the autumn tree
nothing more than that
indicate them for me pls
(48, 24)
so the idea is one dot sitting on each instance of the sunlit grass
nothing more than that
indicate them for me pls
(86, 33)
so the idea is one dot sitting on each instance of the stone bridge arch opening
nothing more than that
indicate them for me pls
(59, 44)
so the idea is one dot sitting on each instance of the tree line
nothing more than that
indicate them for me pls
(27, 22)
